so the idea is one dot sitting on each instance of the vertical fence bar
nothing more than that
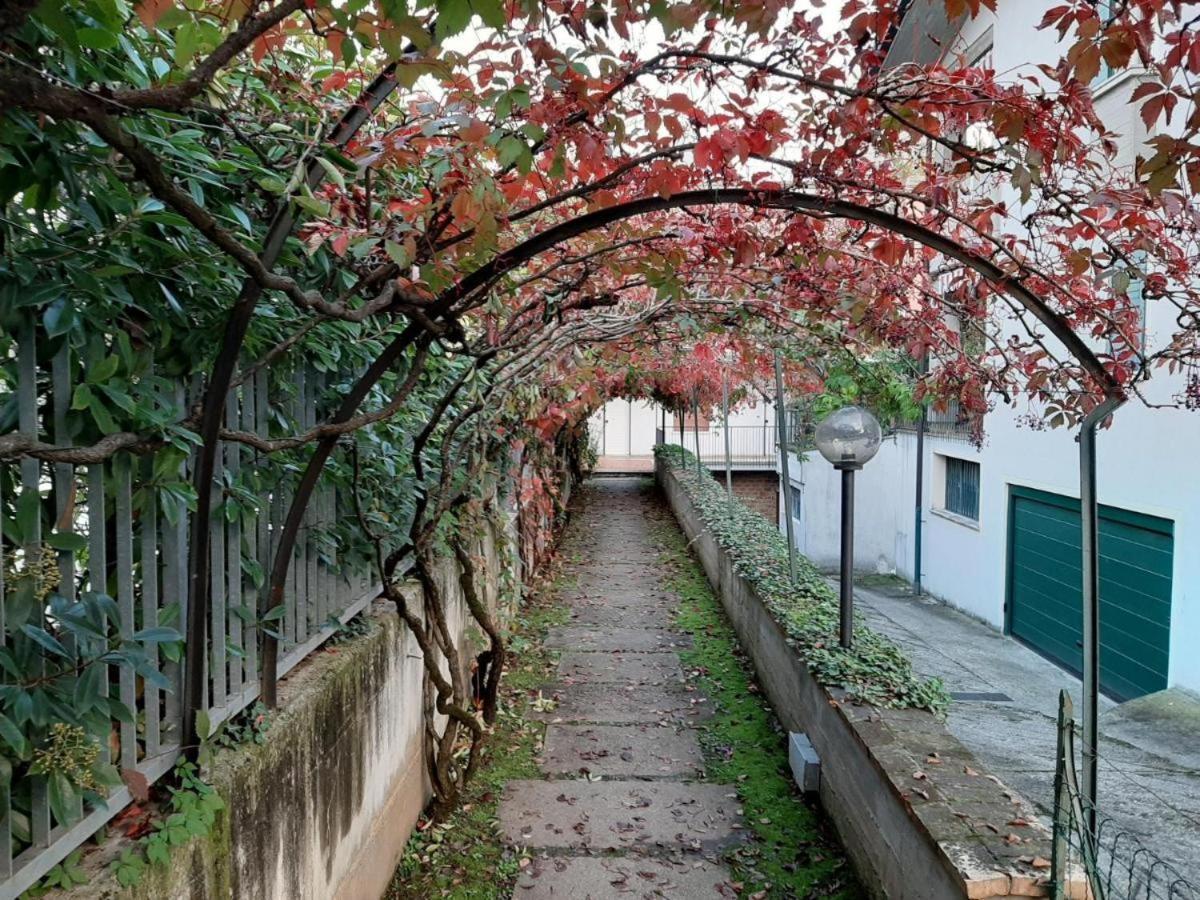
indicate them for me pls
(174, 566)
(126, 678)
(312, 610)
(64, 473)
(64, 485)
(97, 570)
(262, 418)
(148, 525)
(216, 631)
(5, 808)
(287, 625)
(31, 475)
(233, 552)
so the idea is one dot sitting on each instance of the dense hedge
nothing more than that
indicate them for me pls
(874, 671)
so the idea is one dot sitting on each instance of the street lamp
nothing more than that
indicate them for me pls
(848, 438)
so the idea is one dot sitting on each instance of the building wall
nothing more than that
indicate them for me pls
(1144, 459)
(758, 490)
(1143, 462)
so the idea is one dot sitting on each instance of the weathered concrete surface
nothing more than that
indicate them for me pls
(1149, 778)
(640, 668)
(918, 814)
(617, 815)
(621, 751)
(599, 878)
(622, 715)
(585, 637)
(634, 703)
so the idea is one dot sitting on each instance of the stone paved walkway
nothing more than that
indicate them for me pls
(619, 812)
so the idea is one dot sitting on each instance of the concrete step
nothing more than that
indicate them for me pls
(617, 666)
(627, 877)
(585, 637)
(623, 704)
(621, 751)
(620, 815)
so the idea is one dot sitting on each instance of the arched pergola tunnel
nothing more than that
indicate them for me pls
(471, 357)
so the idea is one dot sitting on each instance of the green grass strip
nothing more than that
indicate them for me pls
(792, 853)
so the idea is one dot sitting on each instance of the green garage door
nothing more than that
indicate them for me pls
(1044, 599)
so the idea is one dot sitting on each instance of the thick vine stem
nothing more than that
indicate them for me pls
(479, 610)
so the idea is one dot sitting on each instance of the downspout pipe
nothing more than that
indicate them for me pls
(1090, 546)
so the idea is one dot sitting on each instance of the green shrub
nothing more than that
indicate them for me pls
(874, 670)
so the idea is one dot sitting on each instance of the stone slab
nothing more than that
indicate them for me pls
(600, 614)
(632, 704)
(583, 637)
(619, 815)
(639, 668)
(616, 751)
(602, 878)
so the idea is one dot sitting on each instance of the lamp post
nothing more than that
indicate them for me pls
(727, 360)
(848, 438)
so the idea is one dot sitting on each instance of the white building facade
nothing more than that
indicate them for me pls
(1000, 523)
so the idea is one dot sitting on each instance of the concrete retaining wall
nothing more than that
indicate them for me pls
(914, 809)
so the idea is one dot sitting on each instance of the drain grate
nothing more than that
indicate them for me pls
(980, 697)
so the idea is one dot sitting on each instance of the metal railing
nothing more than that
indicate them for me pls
(749, 445)
(1094, 856)
(120, 529)
(946, 423)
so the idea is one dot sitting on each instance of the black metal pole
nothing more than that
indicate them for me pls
(725, 414)
(1090, 545)
(847, 604)
(785, 478)
(917, 523)
(696, 429)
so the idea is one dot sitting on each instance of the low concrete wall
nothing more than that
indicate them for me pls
(919, 816)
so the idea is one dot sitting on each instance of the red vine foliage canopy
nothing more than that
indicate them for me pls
(676, 173)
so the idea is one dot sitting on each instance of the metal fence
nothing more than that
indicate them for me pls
(750, 446)
(1094, 857)
(121, 530)
(945, 423)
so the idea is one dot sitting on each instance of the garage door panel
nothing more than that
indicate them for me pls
(1055, 553)
(1045, 603)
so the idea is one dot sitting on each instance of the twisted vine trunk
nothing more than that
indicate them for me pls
(479, 610)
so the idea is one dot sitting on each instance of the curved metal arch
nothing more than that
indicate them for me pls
(798, 201)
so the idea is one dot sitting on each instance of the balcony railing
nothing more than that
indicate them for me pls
(749, 445)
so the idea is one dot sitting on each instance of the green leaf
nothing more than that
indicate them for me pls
(64, 799)
(14, 738)
(82, 397)
(157, 635)
(96, 38)
(203, 725)
(453, 16)
(45, 640)
(491, 11)
(67, 540)
(103, 370)
(332, 172)
(58, 317)
(102, 416)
